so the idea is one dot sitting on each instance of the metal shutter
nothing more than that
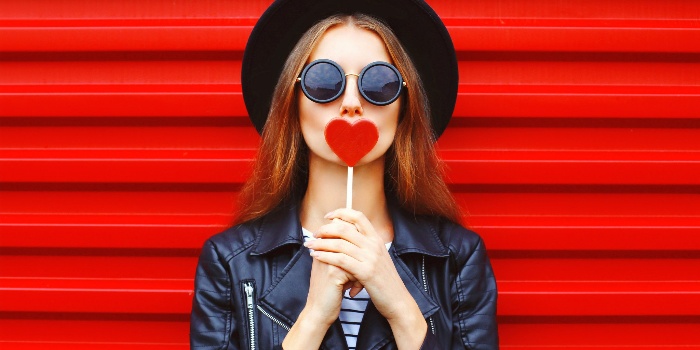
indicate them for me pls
(574, 149)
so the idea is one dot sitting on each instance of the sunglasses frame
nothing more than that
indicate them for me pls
(301, 78)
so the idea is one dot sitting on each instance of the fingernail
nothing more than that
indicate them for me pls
(328, 215)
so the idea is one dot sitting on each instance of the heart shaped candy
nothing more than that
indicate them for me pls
(351, 139)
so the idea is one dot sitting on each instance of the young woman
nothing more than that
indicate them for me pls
(300, 271)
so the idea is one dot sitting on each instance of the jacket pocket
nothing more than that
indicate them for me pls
(248, 288)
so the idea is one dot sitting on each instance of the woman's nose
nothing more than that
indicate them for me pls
(351, 105)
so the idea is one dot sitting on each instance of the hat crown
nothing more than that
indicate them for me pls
(415, 24)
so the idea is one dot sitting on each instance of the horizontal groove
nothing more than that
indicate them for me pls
(601, 287)
(167, 104)
(176, 240)
(570, 266)
(578, 105)
(547, 298)
(565, 188)
(475, 103)
(549, 237)
(154, 252)
(513, 38)
(125, 38)
(97, 284)
(450, 21)
(101, 296)
(134, 89)
(595, 90)
(134, 56)
(571, 56)
(242, 154)
(127, 121)
(119, 187)
(596, 254)
(569, 22)
(509, 242)
(455, 188)
(93, 316)
(605, 319)
(468, 35)
(91, 345)
(539, 122)
(551, 298)
(464, 167)
(235, 56)
(608, 236)
(89, 23)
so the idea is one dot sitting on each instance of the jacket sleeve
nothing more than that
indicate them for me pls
(474, 294)
(211, 322)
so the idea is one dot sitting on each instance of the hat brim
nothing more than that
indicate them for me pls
(417, 26)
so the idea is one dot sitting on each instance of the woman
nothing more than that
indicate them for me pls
(299, 271)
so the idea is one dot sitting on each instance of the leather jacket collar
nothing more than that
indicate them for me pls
(411, 234)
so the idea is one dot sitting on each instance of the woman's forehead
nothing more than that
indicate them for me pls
(351, 47)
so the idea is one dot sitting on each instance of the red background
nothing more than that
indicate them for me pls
(574, 149)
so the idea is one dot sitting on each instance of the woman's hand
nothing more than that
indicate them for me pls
(326, 288)
(327, 285)
(351, 243)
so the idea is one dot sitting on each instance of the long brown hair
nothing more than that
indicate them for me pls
(413, 171)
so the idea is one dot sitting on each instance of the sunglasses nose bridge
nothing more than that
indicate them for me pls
(351, 104)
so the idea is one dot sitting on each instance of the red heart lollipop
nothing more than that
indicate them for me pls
(351, 139)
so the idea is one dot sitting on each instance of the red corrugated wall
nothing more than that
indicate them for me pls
(574, 148)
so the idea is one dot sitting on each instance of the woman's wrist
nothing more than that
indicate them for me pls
(309, 316)
(408, 326)
(307, 332)
(409, 331)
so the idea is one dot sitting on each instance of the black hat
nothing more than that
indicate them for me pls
(417, 26)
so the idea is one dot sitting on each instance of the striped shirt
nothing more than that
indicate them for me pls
(351, 309)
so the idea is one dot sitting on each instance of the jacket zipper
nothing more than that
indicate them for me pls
(250, 306)
(274, 319)
(425, 287)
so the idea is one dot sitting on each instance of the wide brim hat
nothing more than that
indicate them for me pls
(417, 26)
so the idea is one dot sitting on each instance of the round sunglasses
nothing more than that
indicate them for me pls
(323, 81)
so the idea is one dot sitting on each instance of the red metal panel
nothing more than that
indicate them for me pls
(574, 151)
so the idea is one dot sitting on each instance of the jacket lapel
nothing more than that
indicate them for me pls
(375, 330)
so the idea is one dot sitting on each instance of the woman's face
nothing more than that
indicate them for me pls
(352, 48)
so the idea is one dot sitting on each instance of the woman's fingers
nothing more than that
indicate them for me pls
(340, 229)
(340, 260)
(354, 217)
(335, 246)
(356, 288)
(350, 225)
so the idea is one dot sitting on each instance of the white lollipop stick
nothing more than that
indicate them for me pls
(348, 196)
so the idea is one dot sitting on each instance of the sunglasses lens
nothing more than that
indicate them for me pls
(322, 82)
(380, 84)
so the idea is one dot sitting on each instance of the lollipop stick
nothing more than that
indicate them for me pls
(348, 197)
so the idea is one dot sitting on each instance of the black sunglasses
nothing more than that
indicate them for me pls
(323, 81)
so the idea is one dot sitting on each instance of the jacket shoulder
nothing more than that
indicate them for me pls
(234, 240)
(459, 240)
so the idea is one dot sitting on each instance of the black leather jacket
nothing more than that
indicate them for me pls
(253, 279)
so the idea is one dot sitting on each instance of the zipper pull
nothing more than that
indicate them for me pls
(248, 287)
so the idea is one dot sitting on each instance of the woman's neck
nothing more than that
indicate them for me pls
(327, 190)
